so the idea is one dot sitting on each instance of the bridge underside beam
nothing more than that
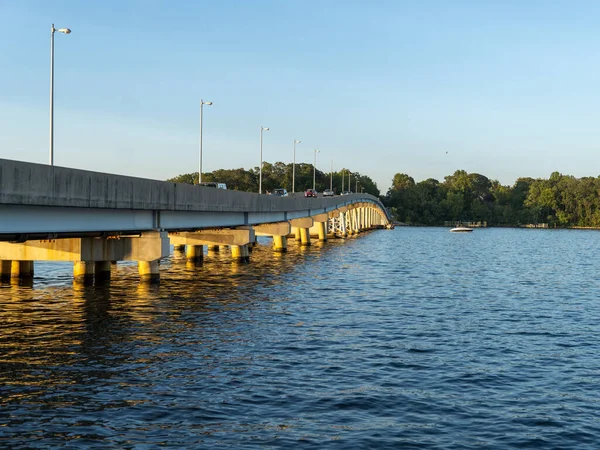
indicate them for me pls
(240, 236)
(149, 246)
(272, 229)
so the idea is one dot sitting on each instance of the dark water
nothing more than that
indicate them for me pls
(411, 338)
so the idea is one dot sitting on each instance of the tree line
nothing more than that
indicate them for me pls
(559, 201)
(279, 175)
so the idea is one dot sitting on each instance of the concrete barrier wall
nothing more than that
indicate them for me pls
(23, 183)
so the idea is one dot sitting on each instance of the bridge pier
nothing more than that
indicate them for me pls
(194, 252)
(83, 271)
(240, 253)
(15, 269)
(234, 237)
(280, 244)
(148, 271)
(89, 255)
(102, 270)
(279, 231)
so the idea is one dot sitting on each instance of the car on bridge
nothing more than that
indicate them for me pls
(310, 193)
(328, 193)
(280, 192)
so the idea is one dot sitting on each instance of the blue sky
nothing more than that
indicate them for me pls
(503, 88)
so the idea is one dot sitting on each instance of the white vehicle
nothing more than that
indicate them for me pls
(280, 192)
(214, 184)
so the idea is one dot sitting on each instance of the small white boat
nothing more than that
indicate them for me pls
(461, 230)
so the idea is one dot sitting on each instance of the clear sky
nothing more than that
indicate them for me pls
(505, 88)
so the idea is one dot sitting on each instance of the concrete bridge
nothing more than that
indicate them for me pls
(93, 219)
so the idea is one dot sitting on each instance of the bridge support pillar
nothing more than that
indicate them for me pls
(83, 271)
(296, 232)
(148, 271)
(194, 252)
(322, 229)
(240, 253)
(305, 237)
(21, 269)
(5, 266)
(102, 270)
(280, 244)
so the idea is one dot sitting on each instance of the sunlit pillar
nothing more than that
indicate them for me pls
(305, 237)
(280, 244)
(240, 253)
(194, 252)
(322, 228)
(83, 271)
(149, 271)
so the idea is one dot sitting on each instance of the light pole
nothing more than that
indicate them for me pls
(315, 169)
(331, 177)
(202, 103)
(260, 168)
(52, 30)
(343, 178)
(294, 167)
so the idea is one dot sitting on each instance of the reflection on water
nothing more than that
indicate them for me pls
(404, 338)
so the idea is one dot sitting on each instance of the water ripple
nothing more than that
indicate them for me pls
(412, 338)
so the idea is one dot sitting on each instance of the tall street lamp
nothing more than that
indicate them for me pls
(202, 103)
(331, 177)
(315, 169)
(52, 30)
(294, 167)
(261, 164)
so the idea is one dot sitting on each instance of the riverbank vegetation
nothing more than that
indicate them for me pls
(559, 201)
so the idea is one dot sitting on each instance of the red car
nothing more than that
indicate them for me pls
(310, 193)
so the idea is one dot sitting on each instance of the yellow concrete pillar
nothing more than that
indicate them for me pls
(102, 270)
(305, 237)
(240, 253)
(213, 248)
(83, 270)
(280, 244)
(322, 228)
(148, 271)
(194, 252)
(21, 269)
(5, 266)
(179, 248)
(297, 234)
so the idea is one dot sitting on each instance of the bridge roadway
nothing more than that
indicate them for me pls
(92, 218)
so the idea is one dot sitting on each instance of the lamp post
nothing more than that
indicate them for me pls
(52, 30)
(315, 169)
(294, 167)
(202, 103)
(331, 177)
(343, 178)
(260, 168)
